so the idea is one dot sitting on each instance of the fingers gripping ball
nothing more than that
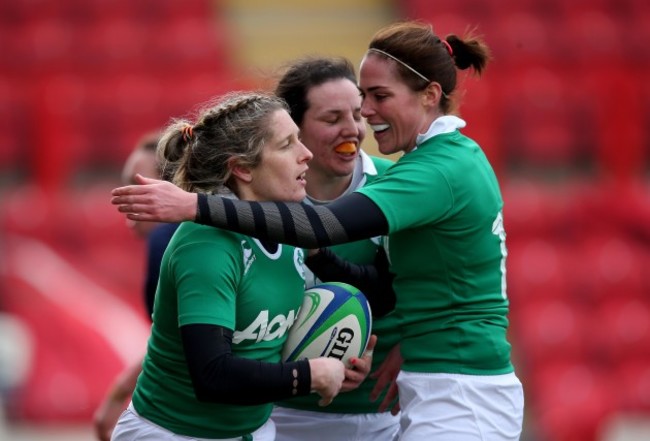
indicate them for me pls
(334, 321)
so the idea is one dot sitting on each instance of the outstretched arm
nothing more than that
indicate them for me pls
(349, 218)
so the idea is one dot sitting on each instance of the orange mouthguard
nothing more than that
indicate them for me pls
(346, 147)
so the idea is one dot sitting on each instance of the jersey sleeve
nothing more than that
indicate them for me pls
(207, 274)
(411, 194)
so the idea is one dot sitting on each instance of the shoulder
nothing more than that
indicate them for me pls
(197, 248)
(441, 141)
(190, 233)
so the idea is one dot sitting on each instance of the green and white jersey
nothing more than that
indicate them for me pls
(447, 249)
(386, 328)
(211, 276)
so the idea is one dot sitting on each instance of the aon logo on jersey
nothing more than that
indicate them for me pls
(263, 329)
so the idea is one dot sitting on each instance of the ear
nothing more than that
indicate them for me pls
(240, 172)
(432, 94)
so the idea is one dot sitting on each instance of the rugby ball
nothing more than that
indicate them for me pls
(334, 321)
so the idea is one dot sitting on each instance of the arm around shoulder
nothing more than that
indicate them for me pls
(154, 200)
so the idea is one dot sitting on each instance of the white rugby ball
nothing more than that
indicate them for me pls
(334, 321)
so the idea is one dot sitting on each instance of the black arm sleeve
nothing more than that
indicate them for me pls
(347, 219)
(375, 281)
(218, 376)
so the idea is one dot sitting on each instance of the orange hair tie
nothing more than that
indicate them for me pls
(448, 47)
(187, 133)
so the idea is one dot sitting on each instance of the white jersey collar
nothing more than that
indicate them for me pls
(443, 124)
(367, 166)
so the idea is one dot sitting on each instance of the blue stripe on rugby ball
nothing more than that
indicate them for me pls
(347, 300)
(343, 293)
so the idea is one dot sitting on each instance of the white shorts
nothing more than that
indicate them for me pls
(132, 427)
(301, 425)
(454, 407)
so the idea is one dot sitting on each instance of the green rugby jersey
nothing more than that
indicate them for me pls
(385, 328)
(211, 276)
(447, 249)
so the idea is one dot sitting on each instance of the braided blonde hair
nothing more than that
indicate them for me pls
(199, 156)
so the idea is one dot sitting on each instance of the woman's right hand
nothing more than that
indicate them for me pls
(154, 200)
(386, 376)
(327, 375)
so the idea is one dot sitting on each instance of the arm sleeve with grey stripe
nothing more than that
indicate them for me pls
(347, 219)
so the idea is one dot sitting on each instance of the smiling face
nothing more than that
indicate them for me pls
(333, 118)
(395, 113)
(280, 176)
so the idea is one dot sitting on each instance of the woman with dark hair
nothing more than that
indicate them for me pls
(324, 101)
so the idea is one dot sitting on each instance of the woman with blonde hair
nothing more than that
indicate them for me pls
(221, 313)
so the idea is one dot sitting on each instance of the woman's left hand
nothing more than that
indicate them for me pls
(360, 367)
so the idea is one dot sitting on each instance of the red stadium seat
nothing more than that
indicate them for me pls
(16, 53)
(547, 330)
(25, 11)
(614, 8)
(15, 130)
(546, 9)
(537, 270)
(644, 95)
(28, 199)
(481, 108)
(633, 380)
(191, 44)
(114, 46)
(521, 38)
(619, 135)
(637, 34)
(533, 209)
(620, 329)
(62, 132)
(193, 91)
(571, 400)
(471, 10)
(546, 126)
(590, 37)
(136, 106)
(449, 23)
(80, 12)
(608, 264)
(49, 46)
(172, 10)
